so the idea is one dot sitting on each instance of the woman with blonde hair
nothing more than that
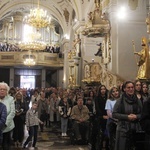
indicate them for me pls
(114, 94)
(19, 119)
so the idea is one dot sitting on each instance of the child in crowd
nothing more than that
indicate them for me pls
(32, 123)
(64, 110)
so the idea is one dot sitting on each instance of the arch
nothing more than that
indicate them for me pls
(52, 8)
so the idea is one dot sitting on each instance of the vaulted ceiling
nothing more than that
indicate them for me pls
(62, 11)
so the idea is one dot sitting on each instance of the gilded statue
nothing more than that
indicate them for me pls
(87, 72)
(69, 55)
(144, 61)
(72, 80)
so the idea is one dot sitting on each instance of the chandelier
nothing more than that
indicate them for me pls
(29, 61)
(33, 45)
(37, 18)
(33, 42)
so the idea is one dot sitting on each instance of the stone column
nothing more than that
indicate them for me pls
(11, 77)
(65, 44)
(76, 73)
(18, 27)
(60, 80)
(43, 77)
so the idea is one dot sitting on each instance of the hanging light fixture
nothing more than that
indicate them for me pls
(30, 61)
(33, 42)
(33, 45)
(38, 18)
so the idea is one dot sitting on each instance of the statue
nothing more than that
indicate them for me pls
(99, 52)
(66, 15)
(144, 66)
(77, 45)
(73, 53)
(90, 16)
(87, 72)
(69, 55)
(71, 80)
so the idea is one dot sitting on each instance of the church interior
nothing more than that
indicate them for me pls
(82, 42)
(73, 44)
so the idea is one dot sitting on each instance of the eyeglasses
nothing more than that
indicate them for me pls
(3, 89)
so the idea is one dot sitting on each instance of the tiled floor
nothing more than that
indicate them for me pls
(51, 139)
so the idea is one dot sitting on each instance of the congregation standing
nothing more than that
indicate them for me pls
(100, 117)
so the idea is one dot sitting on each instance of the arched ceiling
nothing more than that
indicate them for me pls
(58, 9)
(55, 8)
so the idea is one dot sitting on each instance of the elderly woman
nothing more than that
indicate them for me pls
(9, 125)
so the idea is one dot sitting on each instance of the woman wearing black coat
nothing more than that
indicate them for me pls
(100, 120)
(127, 111)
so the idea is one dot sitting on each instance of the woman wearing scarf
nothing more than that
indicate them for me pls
(128, 112)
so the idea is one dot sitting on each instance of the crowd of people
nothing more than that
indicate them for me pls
(110, 119)
(9, 47)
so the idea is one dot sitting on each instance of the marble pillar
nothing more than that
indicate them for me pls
(11, 77)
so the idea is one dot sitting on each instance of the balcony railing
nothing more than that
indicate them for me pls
(17, 58)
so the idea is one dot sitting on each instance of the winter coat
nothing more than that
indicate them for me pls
(126, 129)
(78, 114)
(122, 115)
(42, 107)
(9, 103)
(3, 116)
(52, 107)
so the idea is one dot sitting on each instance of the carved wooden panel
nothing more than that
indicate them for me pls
(3, 57)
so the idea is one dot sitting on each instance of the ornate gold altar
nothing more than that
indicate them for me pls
(95, 74)
(92, 73)
(98, 24)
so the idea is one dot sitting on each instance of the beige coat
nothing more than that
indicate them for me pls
(78, 114)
